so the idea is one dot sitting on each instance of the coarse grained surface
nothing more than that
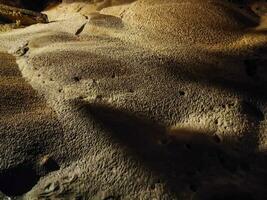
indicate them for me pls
(29, 130)
(156, 99)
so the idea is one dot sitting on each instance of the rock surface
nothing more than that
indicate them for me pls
(153, 100)
(21, 16)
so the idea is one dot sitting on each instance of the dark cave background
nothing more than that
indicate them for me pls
(40, 5)
(36, 5)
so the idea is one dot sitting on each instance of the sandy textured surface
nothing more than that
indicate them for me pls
(145, 100)
(29, 131)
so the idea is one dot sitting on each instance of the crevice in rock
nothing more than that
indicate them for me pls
(80, 30)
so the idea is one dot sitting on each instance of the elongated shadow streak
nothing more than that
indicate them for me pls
(187, 161)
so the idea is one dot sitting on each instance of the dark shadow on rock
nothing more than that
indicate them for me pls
(18, 180)
(187, 161)
(244, 75)
(23, 142)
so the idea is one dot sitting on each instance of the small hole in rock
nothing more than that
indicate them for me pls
(81, 97)
(94, 81)
(153, 187)
(231, 104)
(76, 79)
(18, 180)
(99, 97)
(158, 181)
(182, 93)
